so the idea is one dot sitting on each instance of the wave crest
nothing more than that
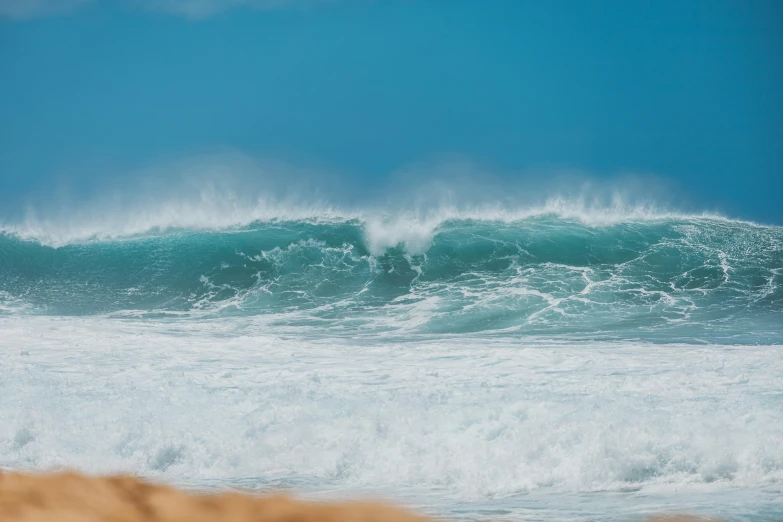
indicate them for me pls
(450, 272)
(384, 226)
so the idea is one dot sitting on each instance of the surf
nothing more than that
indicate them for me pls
(534, 271)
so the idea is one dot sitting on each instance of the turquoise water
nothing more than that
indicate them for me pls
(538, 366)
(696, 279)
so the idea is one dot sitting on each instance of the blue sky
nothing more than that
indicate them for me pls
(687, 91)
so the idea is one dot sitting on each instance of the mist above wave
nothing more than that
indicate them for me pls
(222, 192)
(384, 226)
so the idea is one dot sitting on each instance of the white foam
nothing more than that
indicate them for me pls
(208, 213)
(473, 418)
(386, 226)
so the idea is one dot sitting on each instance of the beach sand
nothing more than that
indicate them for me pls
(72, 497)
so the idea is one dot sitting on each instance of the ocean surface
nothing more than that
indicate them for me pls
(515, 365)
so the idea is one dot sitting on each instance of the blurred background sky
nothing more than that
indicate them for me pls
(689, 91)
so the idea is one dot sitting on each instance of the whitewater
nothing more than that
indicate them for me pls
(552, 362)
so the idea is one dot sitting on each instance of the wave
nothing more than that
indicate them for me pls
(560, 268)
(461, 419)
(384, 226)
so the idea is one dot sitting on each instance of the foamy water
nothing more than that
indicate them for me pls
(465, 423)
(552, 363)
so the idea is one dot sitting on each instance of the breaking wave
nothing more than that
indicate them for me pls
(559, 269)
(549, 362)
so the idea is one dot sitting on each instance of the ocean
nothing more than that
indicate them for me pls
(473, 364)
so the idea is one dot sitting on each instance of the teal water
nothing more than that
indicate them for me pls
(696, 279)
(543, 367)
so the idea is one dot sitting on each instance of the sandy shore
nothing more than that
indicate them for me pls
(72, 497)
